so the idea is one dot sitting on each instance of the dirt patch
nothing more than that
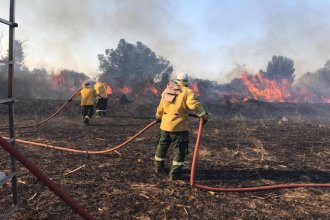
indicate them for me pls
(235, 152)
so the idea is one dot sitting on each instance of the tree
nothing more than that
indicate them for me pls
(38, 83)
(279, 68)
(18, 56)
(68, 78)
(133, 65)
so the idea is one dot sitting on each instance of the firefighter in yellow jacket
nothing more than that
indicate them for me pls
(101, 98)
(173, 111)
(88, 95)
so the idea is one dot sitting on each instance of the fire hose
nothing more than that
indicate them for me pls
(50, 117)
(87, 151)
(193, 166)
(192, 174)
(45, 179)
(241, 189)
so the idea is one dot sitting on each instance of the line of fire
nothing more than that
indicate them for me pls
(135, 71)
(266, 131)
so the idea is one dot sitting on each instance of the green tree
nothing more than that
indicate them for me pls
(279, 68)
(133, 65)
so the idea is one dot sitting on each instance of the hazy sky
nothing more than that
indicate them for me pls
(205, 38)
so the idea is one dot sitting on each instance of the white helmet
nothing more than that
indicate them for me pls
(182, 77)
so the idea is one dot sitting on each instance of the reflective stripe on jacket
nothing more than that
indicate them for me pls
(101, 90)
(87, 96)
(174, 115)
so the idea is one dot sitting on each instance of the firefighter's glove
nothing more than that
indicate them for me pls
(205, 118)
(158, 120)
(70, 100)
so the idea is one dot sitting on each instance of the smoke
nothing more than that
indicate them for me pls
(204, 40)
(70, 34)
(298, 30)
(318, 82)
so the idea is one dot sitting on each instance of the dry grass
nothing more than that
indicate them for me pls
(204, 153)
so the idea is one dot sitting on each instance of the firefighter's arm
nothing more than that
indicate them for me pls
(76, 95)
(194, 105)
(159, 112)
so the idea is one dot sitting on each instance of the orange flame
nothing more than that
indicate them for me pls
(125, 90)
(61, 81)
(195, 88)
(152, 89)
(57, 79)
(327, 100)
(270, 90)
(109, 90)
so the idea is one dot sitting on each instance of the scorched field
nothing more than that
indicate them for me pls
(276, 145)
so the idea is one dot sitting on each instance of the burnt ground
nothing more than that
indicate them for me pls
(236, 151)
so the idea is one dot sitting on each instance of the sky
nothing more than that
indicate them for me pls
(208, 39)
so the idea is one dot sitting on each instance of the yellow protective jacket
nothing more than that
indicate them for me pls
(87, 96)
(175, 114)
(101, 90)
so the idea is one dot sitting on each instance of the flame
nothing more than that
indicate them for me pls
(62, 81)
(326, 99)
(57, 80)
(152, 89)
(195, 88)
(125, 90)
(109, 90)
(260, 87)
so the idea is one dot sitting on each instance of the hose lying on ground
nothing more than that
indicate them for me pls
(192, 174)
(243, 189)
(50, 117)
(87, 151)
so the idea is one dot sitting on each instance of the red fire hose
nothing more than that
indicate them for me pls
(53, 115)
(88, 151)
(50, 117)
(244, 189)
(45, 179)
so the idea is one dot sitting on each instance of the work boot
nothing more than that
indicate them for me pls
(159, 170)
(176, 172)
(159, 167)
(98, 114)
(86, 121)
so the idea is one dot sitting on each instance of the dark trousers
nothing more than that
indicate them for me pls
(180, 141)
(101, 107)
(87, 110)
(101, 104)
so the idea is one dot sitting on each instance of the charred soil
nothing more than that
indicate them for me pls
(236, 151)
